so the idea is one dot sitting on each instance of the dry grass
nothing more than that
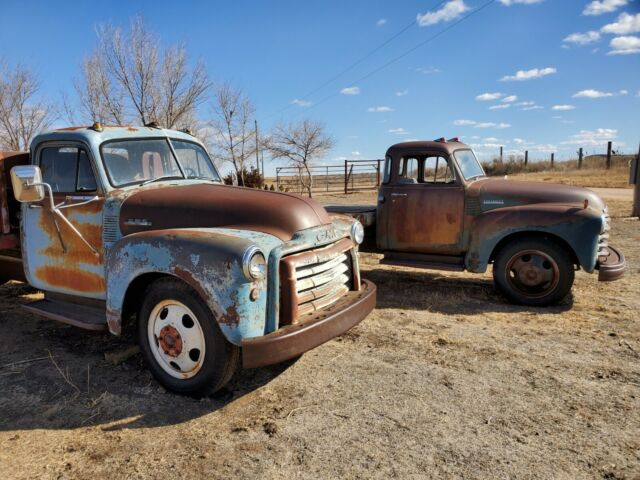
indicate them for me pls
(615, 178)
(443, 380)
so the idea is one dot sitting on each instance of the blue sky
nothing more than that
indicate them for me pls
(280, 51)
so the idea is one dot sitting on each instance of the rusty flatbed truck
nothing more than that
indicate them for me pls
(438, 210)
(117, 222)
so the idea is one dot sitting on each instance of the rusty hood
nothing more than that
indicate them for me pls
(495, 193)
(214, 206)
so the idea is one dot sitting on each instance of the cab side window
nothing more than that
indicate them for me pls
(408, 172)
(67, 169)
(437, 170)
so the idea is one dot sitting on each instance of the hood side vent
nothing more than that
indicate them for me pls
(472, 206)
(111, 230)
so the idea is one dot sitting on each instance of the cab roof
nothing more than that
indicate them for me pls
(439, 146)
(95, 137)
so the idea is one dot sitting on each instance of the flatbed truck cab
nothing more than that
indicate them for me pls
(122, 223)
(438, 210)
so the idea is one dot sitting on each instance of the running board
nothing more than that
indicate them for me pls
(429, 262)
(82, 316)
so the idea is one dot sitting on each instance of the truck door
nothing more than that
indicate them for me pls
(57, 259)
(426, 206)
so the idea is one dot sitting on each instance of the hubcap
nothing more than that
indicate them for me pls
(176, 339)
(533, 273)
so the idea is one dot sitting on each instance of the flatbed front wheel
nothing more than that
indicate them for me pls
(181, 341)
(533, 272)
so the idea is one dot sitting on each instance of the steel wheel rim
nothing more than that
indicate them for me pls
(176, 339)
(532, 273)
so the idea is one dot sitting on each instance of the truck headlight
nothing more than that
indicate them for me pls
(254, 264)
(357, 232)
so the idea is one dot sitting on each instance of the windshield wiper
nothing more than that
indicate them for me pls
(166, 177)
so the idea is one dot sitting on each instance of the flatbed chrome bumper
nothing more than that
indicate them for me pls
(612, 266)
(293, 340)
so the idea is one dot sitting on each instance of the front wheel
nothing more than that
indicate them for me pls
(533, 272)
(181, 342)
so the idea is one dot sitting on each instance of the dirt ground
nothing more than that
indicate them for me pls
(443, 380)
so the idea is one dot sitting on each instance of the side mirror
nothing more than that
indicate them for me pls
(27, 183)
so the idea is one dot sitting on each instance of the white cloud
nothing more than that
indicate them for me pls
(380, 109)
(463, 123)
(350, 91)
(381, 22)
(491, 140)
(592, 138)
(598, 7)
(301, 103)
(532, 107)
(508, 3)
(583, 38)
(398, 131)
(561, 108)
(624, 25)
(522, 75)
(486, 97)
(450, 11)
(624, 45)
(590, 93)
(500, 107)
(356, 153)
(525, 104)
(428, 70)
(510, 99)
(402, 93)
(492, 125)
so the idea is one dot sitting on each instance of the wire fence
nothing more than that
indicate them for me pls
(352, 176)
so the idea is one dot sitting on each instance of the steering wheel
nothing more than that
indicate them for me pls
(190, 172)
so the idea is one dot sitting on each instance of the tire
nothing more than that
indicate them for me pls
(533, 272)
(181, 341)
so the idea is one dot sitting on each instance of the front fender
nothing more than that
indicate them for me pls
(578, 227)
(208, 260)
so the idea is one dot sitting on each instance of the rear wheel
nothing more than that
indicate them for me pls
(182, 342)
(533, 272)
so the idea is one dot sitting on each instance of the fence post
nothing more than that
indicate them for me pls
(346, 179)
(608, 155)
(580, 158)
(636, 188)
(277, 178)
(526, 157)
(378, 175)
(501, 155)
(327, 178)
(552, 158)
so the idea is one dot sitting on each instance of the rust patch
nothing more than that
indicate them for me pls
(231, 317)
(77, 279)
(77, 251)
(188, 277)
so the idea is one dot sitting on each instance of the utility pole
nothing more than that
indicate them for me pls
(552, 158)
(500, 154)
(257, 158)
(608, 155)
(580, 158)
(526, 157)
(635, 179)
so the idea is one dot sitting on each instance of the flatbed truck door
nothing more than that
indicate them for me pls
(56, 258)
(425, 207)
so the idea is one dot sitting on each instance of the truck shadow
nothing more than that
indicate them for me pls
(446, 293)
(53, 376)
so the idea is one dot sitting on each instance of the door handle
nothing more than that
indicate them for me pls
(398, 194)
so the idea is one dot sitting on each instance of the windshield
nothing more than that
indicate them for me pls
(469, 165)
(130, 162)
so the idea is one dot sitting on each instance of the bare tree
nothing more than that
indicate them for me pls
(233, 138)
(129, 77)
(301, 143)
(22, 114)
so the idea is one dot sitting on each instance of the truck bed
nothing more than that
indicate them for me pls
(10, 263)
(365, 214)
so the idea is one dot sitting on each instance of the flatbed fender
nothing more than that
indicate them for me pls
(208, 260)
(577, 227)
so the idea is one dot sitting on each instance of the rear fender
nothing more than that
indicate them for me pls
(577, 227)
(208, 260)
